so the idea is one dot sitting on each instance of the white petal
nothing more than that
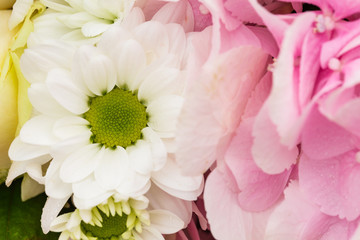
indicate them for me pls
(20, 151)
(159, 83)
(68, 146)
(114, 36)
(50, 211)
(76, 20)
(112, 168)
(20, 9)
(88, 188)
(41, 99)
(59, 6)
(154, 38)
(59, 224)
(86, 215)
(33, 167)
(140, 157)
(30, 188)
(130, 62)
(164, 112)
(136, 184)
(165, 221)
(171, 180)
(38, 131)
(158, 149)
(161, 200)
(100, 75)
(149, 233)
(95, 28)
(37, 61)
(54, 186)
(81, 163)
(71, 126)
(62, 88)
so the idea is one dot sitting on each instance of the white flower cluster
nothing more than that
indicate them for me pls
(106, 88)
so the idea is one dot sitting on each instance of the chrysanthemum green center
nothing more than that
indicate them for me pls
(116, 119)
(112, 226)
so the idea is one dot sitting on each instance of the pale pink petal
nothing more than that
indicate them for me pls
(165, 221)
(333, 184)
(227, 220)
(297, 218)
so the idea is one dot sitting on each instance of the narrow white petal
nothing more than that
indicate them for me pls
(41, 99)
(172, 181)
(81, 163)
(71, 126)
(131, 60)
(149, 233)
(159, 83)
(20, 9)
(50, 211)
(140, 157)
(100, 75)
(21, 151)
(112, 168)
(38, 131)
(164, 112)
(54, 186)
(165, 221)
(86, 215)
(62, 88)
(158, 149)
(95, 28)
(59, 224)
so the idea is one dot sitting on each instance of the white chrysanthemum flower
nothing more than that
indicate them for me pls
(106, 116)
(117, 219)
(78, 20)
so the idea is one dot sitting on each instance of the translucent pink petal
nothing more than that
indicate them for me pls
(333, 184)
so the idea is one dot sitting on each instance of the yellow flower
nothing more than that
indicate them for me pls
(5, 4)
(15, 108)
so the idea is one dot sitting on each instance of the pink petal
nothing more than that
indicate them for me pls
(297, 218)
(322, 138)
(271, 156)
(333, 184)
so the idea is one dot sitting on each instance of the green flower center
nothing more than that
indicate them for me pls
(117, 118)
(112, 226)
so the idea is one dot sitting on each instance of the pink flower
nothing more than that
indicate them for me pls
(313, 108)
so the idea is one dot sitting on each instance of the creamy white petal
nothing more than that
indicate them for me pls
(164, 112)
(92, 7)
(21, 151)
(159, 83)
(30, 188)
(88, 188)
(71, 126)
(41, 99)
(166, 222)
(58, 5)
(81, 163)
(135, 18)
(140, 157)
(62, 88)
(39, 131)
(86, 215)
(76, 20)
(131, 60)
(112, 168)
(158, 149)
(59, 224)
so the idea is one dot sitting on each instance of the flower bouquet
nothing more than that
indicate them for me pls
(180, 119)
